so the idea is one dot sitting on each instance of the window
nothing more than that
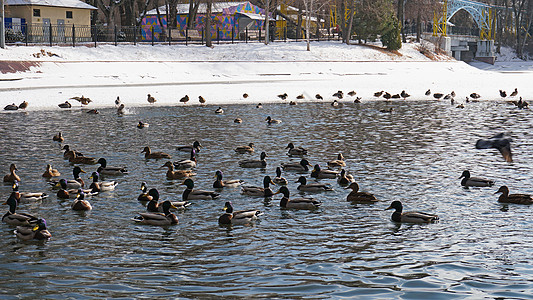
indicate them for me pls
(69, 14)
(36, 12)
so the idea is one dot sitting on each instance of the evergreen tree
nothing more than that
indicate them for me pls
(391, 34)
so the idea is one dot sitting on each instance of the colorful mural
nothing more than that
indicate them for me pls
(226, 22)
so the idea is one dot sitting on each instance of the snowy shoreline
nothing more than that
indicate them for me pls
(224, 73)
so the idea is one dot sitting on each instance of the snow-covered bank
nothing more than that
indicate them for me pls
(223, 73)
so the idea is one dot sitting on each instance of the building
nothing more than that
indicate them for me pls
(42, 19)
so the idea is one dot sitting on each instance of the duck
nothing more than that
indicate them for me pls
(186, 163)
(120, 109)
(82, 100)
(237, 120)
(68, 152)
(378, 94)
(179, 174)
(428, 92)
(158, 219)
(356, 196)
(475, 96)
(101, 186)
(352, 93)
(195, 145)
(141, 125)
(301, 96)
(278, 179)
(338, 94)
(503, 94)
(264, 191)
(336, 103)
(357, 100)
(58, 137)
(151, 99)
(296, 203)
(385, 111)
(154, 206)
(396, 96)
(296, 151)
(283, 96)
(11, 217)
(387, 95)
(319, 97)
(104, 169)
(312, 187)
(438, 95)
(144, 195)
(117, 101)
(474, 181)
(514, 93)
(219, 183)
(500, 142)
(93, 111)
(23, 105)
(11, 107)
(292, 103)
(66, 193)
(404, 95)
(80, 203)
(245, 149)
(184, 99)
(409, 217)
(201, 100)
(344, 178)
(75, 159)
(12, 176)
(302, 166)
(191, 194)
(38, 232)
(148, 154)
(321, 174)
(66, 104)
(75, 183)
(245, 95)
(251, 163)
(505, 197)
(27, 197)
(259, 105)
(272, 121)
(219, 110)
(336, 163)
(237, 217)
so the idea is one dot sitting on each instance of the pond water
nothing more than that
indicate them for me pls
(478, 249)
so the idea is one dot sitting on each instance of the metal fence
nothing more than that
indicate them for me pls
(50, 34)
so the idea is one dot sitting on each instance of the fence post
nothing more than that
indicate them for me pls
(95, 35)
(134, 34)
(152, 28)
(169, 35)
(50, 34)
(329, 32)
(218, 35)
(203, 31)
(246, 34)
(285, 34)
(115, 33)
(232, 34)
(73, 35)
(186, 35)
(259, 37)
(26, 34)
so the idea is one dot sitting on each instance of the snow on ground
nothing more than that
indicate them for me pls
(223, 73)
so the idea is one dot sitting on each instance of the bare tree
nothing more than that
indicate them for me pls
(207, 29)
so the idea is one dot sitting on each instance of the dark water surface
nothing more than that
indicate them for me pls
(479, 249)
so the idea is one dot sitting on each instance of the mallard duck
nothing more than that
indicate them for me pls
(151, 99)
(513, 198)
(11, 217)
(68, 152)
(23, 105)
(75, 159)
(154, 206)
(475, 96)
(500, 142)
(191, 194)
(12, 176)
(37, 232)
(219, 110)
(156, 155)
(82, 100)
(321, 174)
(356, 196)
(297, 203)
(237, 120)
(336, 103)
(11, 107)
(109, 170)
(245, 149)
(278, 179)
(302, 166)
(237, 217)
(312, 187)
(75, 183)
(158, 219)
(201, 100)
(184, 99)
(245, 95)
(66, 193)
(337, 163)
(474, 181)
(301, 96)
(144, 195)
(259, 105)
(252, 163)
(51, 172)
(121, 110)
(93, 111)
(352, 93)
(409, 217)
(58, 137)
(338, 94)
(297, 151)
(438, 95)
(101, 186)
(80, 203)
(428, 92)
(179, 174)
(186, 163)
(272, 121)
(514, 93)
(27, 197)
(319, 97)
(345, 178)
(264, 191)
(141, 125)
(219, 183)
(117, 101)
(66, 104)
(195, 145)
(283, 96)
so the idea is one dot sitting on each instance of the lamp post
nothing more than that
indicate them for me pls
(2, 27)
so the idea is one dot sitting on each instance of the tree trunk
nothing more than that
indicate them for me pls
(308, 10)
(267, 22)
(400, 19)
(350, 24)
(418, 27)
(341, 20)
(207, 29)
(299, 21)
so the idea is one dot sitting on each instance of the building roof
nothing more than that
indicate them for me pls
(57, 3)
(184, 8)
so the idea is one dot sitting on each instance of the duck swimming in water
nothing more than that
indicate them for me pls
(264, 191)
(474, 181)
(410, 217)
(237, 217)
(12, 176)
(500, 142)
(158, 219)
(252, 163)
(505, 197)
(296, 203)
(359, 197)
(37, 232)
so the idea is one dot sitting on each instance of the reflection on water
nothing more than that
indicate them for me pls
(415, 154)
